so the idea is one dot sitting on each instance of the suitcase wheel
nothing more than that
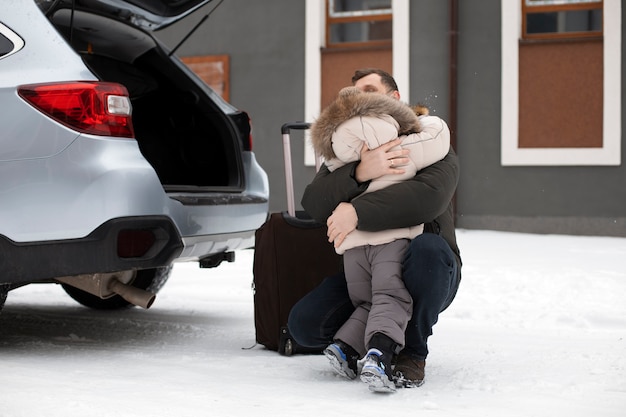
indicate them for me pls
(288, 349)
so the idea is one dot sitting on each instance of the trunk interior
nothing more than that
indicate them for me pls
(188, 139)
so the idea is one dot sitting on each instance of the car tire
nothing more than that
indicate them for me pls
(147, 279)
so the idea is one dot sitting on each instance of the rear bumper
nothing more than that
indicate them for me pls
(117, 245)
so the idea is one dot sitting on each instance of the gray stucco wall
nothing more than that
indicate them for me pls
(265, 41)
(430, 56)
(572, 200)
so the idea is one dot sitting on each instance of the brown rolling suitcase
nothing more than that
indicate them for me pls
(292, 256)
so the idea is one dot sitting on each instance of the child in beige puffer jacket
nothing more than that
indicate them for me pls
(372, 260)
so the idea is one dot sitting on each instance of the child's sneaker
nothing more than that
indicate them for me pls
(343, 358)
(376, 372)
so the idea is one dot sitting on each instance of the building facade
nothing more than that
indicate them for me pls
(531, 89)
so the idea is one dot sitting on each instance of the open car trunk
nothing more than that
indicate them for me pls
(191, 137)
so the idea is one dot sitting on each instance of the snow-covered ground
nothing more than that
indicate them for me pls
(538, 329)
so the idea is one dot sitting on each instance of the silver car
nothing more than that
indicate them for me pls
(115, 159)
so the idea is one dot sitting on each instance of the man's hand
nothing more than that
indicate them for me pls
(381, 161)
(343, 221)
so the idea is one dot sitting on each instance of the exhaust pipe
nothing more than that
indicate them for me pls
(108, 285)
(133, 295)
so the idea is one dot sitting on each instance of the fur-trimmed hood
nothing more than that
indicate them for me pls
(352, 102)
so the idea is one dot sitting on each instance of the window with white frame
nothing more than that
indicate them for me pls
(515, 38)
(554, 19)
(358, 23)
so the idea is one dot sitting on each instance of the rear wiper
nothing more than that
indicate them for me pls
(195, 28)
(53, 8)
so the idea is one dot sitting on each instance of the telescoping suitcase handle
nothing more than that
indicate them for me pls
(285, 129)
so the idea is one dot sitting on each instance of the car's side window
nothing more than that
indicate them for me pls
(6, 45)
(10, 42)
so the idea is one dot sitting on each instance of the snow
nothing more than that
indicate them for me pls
(537, 329)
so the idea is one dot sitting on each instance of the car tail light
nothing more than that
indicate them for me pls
(248, 146)
(97, 108)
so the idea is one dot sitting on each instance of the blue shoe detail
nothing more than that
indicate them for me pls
(373, 373)
(339, 361)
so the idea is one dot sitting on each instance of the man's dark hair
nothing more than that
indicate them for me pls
(385, 77)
